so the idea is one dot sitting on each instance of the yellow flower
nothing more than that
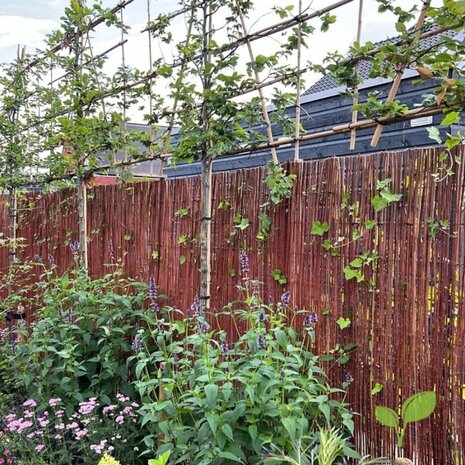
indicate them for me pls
(109, 460)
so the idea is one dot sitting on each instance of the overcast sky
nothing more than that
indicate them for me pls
(26, 22)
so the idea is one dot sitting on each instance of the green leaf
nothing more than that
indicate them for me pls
(353, 273)
(291, 427)
(318, 228)
(161, 459)
(386, 416)
(182, 212)
(377, 388)
(370, 224)
(324, 408)
(379, 203)
(343, 323)
(228, 432)
(434, 134)
(211, 394)
(229, 456)
(357, 263)
(452, 117)
(386, 194)
(418, 407)
(182, 259)
(244, 224)
(280, 335)
(212, 420)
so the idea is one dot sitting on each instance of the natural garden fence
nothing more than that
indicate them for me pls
(410, 332)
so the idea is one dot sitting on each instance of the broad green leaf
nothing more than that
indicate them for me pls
(211, 393)
(227, 431)
(291, 427)
(212, 420)
(357, 263)
(229, 456)
(452, 117)
(162, 459)
(434, 134)
(389, 196)
(386, 416)
(353, 273)
(379, 203)
(418, 407)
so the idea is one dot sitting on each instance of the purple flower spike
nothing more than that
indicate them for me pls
(310, 319)
(136, 343)
(75, 248)
(244, 261)
(194, 309)
(153, 294)
(261, 342)
(204, 327)
(224, 348)
(286, 299)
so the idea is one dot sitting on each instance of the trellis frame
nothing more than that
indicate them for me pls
(245, 40)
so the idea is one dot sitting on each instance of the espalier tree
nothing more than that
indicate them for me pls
(211, 72)
(215, 89)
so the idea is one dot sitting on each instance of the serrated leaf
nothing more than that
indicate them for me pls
(386, 416)
(319, 229)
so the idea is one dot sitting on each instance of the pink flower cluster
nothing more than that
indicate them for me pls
(6, 457)
(83, 429)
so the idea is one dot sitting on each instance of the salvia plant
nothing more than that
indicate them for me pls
(207, 400)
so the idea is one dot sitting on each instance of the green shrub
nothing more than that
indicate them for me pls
(211, 403)
(81, 338)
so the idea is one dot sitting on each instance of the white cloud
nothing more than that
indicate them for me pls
(21, 30)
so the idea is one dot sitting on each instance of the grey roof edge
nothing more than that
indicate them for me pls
(366, 84)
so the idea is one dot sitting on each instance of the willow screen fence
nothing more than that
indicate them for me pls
(410, 332)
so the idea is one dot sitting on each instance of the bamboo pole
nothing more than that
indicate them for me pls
(81, 190)
(13, 199)
(353, 133)
(169, 131)
(299, 82)
(335, 130)
(206, 174)
(266, 117)
(400, 72)
(150, 82)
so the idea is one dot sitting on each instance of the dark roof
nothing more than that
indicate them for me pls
(327, 82)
